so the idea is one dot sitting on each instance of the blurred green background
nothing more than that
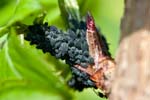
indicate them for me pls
(27, 73)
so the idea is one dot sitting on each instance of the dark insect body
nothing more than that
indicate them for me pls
(82, 47)
(101, 72)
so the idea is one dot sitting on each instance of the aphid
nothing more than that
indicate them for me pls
(101, 71)
(83, 49)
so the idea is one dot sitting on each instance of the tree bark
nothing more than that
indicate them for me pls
(136, 16)
(132, 76)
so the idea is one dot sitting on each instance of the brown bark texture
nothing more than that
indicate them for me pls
(132, 75)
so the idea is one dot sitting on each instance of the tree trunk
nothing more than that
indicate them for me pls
(132, 77)
(136, 16)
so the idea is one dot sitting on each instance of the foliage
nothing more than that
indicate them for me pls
(28, 73)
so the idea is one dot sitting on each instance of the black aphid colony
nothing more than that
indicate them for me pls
(70, 46)
(82, 47)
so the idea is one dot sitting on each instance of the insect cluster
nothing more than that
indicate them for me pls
(79, 46)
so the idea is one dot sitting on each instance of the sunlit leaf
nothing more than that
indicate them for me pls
(24, 62)
(7, 10)
(25, 90)
(24, 8)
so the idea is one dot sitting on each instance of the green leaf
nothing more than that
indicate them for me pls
(25, 90)
(23, 9)
(87, 94)
(7, 69)
(23, 62)
(18, 10)
(7, 10)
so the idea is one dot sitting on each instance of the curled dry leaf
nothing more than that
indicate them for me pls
(101, 72)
